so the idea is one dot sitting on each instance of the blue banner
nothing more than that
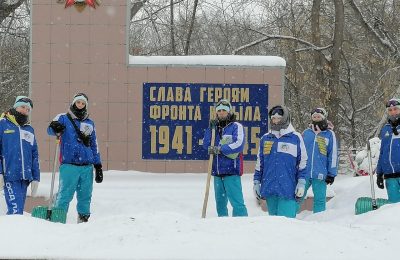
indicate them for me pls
(175, 116)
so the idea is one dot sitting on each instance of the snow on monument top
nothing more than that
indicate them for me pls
(209, 60)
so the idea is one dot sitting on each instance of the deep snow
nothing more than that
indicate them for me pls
(158, 216)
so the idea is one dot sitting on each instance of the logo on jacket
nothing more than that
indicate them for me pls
(27, 136)
(268, 147)
(322, 145)
(284, 148)
(9, 131)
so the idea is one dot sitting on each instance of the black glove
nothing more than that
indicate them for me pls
(214, 150)
(379, 182)
(57, 127)
(214, 123)
(99, 173)
(329, 179)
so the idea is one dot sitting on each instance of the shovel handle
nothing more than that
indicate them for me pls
(371, 177)
(56, 153)
(210, 164)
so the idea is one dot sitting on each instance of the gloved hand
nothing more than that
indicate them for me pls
(214, 150)
(300, 188)
(1, 181)
(256, 188)
(329, 179)
(379, 182)
(214, 123)
(34, 188)
(99, 173)
(57, 127)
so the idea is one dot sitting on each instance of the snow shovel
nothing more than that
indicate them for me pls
(50, 213)
(365, 204)
(210, 163)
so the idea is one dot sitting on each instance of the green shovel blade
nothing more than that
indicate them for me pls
(57, 215)
(364, 204)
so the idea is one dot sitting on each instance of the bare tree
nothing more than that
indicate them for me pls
(316, 40)
(172, 28)
(14, 51)
(190, 30)
(8, 7)
(332, 95)
(136, 6)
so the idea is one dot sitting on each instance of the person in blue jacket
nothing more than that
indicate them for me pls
(79, 154)
(280, 172)
(19, 157)
(388, 168)
(229, 143)
(321, 146)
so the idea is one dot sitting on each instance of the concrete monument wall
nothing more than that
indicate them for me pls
(86, 51)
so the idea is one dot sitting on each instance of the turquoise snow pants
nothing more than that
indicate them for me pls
(75, 178)
(278, 206)
(319, 190)
(229, 188)
(393, 189)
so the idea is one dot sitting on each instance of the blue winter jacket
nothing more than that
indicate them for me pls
(231, 142)
(72, 150)
(281, 162)
(389, 156)
(18, 151)
(322, 153)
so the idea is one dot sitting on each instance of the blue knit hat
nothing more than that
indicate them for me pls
(23, 101)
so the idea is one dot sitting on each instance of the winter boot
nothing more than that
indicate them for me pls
(83, 218)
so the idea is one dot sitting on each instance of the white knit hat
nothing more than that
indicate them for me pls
(320, 111)
(80, 96)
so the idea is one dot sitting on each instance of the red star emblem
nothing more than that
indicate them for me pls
(91, 3)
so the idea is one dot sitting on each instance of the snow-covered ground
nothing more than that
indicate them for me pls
(158, 216)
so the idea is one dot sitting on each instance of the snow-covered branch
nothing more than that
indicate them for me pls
(387, 71)
(382, 39)
(7, 7)
(315, 48)
(369, 104)
(268, 37)
(2, 83)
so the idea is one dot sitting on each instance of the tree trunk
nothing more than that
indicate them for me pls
(6, 9)
(172, 31)
(136, 6)
(293, 80)
(187, 45)
(316, 40)
(332, 96)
